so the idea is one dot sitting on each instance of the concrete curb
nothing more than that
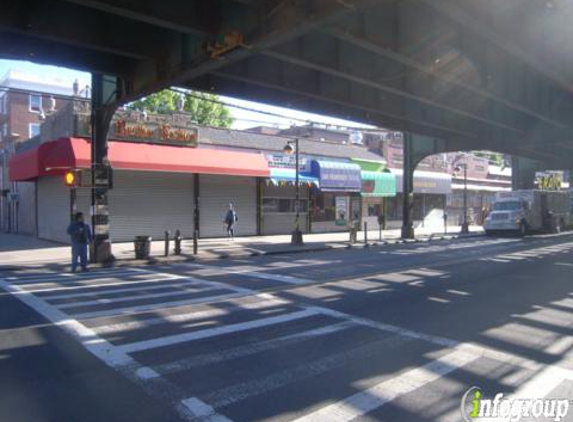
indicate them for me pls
(174, 259)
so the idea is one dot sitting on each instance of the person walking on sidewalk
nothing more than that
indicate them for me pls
(230, 220)
(81, 237)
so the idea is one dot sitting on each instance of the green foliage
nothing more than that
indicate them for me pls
(493, 157)
(199, 105)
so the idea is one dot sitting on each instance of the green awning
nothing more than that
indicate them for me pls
(369, 165)
(378, 184)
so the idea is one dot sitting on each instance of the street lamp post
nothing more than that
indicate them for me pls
(296, 238)
(465, 225)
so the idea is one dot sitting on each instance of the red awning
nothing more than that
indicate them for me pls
(24, 166)
(52, 158)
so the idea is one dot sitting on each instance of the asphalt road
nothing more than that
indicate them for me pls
(397, 333)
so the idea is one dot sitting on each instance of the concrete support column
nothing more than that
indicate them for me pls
(523, 172)
(104, 95)
(408, 188)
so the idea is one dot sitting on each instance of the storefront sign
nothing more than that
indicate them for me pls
(337, 176)
(549, 180)
(341, 203)
(284, 161)
(163, 133)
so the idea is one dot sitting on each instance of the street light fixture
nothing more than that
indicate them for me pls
(457, 169)
(289, 149)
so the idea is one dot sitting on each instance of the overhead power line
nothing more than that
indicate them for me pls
(269, 113)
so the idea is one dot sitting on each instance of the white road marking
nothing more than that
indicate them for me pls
(542, 383)
(565, 264)
(100, 285)
(255, 274)
(103, 350)
(93, 276)
(212, 332)
(249, 349)
(202, 411)
(128, 310)
(404, 332)
(105, 301)
(253, 387)
(184, 317)
(94, 344)
(373, 398)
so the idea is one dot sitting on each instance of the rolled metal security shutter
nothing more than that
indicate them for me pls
(53, 209)
(283, 222)
(148, 203)
(216, 192)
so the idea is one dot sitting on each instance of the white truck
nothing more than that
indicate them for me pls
(526, 211)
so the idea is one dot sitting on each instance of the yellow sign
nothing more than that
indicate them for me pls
(549, 181)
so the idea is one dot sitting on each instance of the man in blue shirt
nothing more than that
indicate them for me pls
(81, 237)
(230, 219)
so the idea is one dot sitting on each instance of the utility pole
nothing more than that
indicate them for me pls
(296, 238)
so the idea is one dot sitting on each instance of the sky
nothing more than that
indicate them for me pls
(243, 119)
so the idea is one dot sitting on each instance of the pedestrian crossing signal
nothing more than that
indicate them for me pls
(71, 179)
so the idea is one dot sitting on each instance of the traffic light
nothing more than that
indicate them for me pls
(72, 179)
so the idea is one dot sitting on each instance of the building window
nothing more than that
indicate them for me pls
(34, 129)
(3, 105)
(35, 103)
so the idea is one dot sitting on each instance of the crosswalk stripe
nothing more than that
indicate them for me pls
(128, 310)
(440, 341)
(185, 317)
(212, 332)
(202, 412)
(249, 349)
(371, 399)
(160, 285)
(279, 379)
(254, 274)
(96, 345)
(104, 301)
(32, 279)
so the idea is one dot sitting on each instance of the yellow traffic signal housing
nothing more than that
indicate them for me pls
(72, 179)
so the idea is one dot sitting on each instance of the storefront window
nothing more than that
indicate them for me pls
(323, 208)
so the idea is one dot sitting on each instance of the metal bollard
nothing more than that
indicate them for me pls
(167, 242)
(365, 233)
(178, 238)
(195, 241)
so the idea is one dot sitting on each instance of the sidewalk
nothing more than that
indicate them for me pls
(18, 250)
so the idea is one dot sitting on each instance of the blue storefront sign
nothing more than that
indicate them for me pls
(337, 176)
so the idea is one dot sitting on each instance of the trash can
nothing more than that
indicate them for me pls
(142, 246)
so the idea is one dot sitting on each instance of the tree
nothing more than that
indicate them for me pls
(202, 107)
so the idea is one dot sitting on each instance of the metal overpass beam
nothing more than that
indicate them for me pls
(179, 16)
(366, 76)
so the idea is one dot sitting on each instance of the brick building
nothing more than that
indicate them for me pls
(25, 101)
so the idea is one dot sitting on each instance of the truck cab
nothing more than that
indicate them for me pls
(508, 215)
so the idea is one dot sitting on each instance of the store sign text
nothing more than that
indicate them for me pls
(163, 133)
